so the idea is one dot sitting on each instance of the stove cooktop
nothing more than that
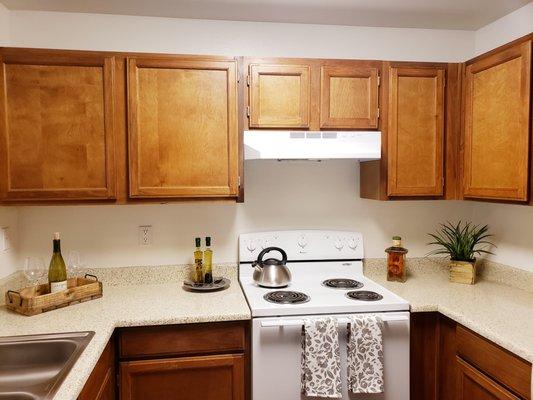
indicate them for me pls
(310, 280)
(325, 267)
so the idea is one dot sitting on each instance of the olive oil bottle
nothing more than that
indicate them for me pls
(198, 255)
(57, 272)
(208, 261)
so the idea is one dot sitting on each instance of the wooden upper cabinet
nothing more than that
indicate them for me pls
(183, 135)
(349, 97)
(415, 131)
(56, 126)
(279, 96)
(497, 125)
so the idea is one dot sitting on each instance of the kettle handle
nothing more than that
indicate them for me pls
(268, 250)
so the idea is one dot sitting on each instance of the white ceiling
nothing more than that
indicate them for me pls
(438, 14)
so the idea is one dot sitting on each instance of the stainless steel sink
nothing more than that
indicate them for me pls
(32, 367)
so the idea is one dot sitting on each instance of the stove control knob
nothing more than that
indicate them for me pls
(251, 246)
(338, 244)
(352, 244)
(302, 242)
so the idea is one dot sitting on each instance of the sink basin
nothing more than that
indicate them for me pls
(32, 367)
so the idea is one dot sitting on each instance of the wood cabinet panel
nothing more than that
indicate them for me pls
(101, 384)
(183, 136)
(279, 96)
(416, 131)
(349, 97)
(207, 377)
(56, 126)
(497, 125)
(474, 385)
(424, 356)
(182, 339)
(489, 358)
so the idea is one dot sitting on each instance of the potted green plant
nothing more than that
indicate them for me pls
(461, 242)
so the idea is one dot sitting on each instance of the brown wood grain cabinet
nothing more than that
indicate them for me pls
(101, 384)
(416, 131)
(473, 384)
(57, 133)
(279, 95)
(183, 135)
(450, 362)
(349, 97)
(192, 361)
(497, 119)
(418, 136)
(312, 94)
(219, 377)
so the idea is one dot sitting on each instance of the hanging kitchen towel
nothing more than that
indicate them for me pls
(321, 364)
(365, 354)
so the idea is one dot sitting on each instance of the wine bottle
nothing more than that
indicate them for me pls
(208, 261)
(198, 254)
(57, 272)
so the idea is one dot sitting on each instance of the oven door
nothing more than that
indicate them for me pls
(276, 355)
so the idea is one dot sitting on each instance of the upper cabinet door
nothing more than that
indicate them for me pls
(56, 126)
(183, 135)
(279, 96)
(496, 125)
(349, 97)
(416, 131)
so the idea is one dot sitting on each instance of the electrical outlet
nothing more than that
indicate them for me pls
(145, 235)
(5, 239)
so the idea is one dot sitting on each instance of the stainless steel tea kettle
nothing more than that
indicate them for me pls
(272, 272)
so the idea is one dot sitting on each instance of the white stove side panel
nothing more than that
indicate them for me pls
(303, 244)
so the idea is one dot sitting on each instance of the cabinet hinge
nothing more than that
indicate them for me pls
(247, 111)
(247, 80)
(239, 181)
(378, 112)
(379, 81)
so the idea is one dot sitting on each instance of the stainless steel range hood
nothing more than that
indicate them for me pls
(312, 145)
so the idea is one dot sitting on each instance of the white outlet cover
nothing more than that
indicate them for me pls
(6, 239)
(145, 235)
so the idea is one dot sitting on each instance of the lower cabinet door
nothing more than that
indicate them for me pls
(218, 377)
(474, 385)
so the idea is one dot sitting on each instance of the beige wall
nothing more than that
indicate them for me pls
(504, 30)
(279, 195)
(9, 261)
(189, 36)
(4, 26)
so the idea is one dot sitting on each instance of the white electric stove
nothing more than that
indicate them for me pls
(327, 280)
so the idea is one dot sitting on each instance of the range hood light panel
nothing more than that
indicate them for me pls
(312, 145)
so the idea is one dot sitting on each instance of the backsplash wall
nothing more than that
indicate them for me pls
(279, 195)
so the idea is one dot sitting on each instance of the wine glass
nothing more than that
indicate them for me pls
(34, 269)
(73, 263)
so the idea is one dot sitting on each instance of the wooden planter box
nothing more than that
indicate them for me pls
(38, 299)
(463, 271)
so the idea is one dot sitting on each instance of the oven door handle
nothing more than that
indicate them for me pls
(341, 320)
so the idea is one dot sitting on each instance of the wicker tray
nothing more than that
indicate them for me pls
(38, 299)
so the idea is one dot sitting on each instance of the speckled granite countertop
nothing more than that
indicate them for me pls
(134, 304)
(499, 306)
(499, 309)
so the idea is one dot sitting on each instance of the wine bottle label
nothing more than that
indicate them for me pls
(58, 286)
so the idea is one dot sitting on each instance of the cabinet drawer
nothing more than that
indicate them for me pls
(182, 339)
(497, 363)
